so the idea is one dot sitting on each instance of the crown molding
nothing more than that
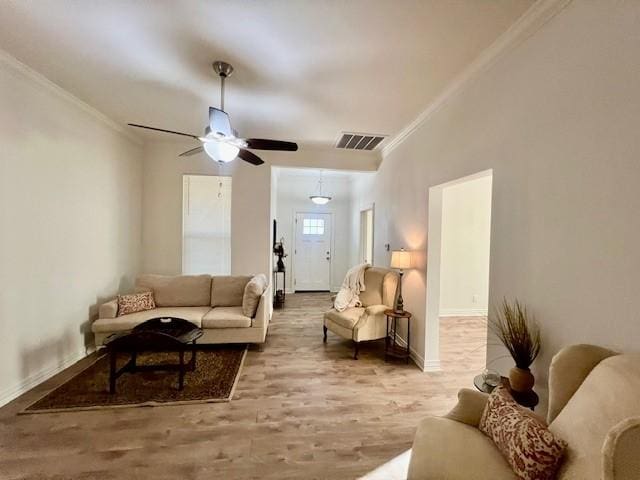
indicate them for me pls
(43, 82)
(528, 24)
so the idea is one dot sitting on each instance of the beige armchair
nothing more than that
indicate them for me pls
(593, 405)
(369, 321)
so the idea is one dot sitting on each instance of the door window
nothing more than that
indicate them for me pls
(313, 226)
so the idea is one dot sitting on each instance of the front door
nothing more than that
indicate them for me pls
(312, 261)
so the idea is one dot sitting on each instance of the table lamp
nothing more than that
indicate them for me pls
(400, 260)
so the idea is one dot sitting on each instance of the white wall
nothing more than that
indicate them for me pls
(293, 192)
(556, 118)
(362, 199)
(70, 196)
(162, 209)
(464, 261)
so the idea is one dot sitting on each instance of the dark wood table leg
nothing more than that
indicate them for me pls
(191, 366)
(408, 340)
(395, 332)
(386, 341)
(181, 371)
(112, 372)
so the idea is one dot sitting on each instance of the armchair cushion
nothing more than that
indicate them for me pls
(446, 449)
(347, 318)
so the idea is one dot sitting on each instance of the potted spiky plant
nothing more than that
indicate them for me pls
(520, 334)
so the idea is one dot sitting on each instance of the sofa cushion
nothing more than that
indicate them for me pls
(226, 317)
(135, 302)
(533, 452)
(252, 293)
(446, 449)
(346, 319)
(127, 322)
(606, 397)
(177, 291)
(227, 290)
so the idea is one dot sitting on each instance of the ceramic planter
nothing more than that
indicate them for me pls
(521, 379)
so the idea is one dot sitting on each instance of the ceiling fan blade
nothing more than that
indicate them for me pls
(164, 131)
(252, 158)
(193, 151)
(219, 122)
(266, 144)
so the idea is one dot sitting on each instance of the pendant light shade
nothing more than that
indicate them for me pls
(320, 199)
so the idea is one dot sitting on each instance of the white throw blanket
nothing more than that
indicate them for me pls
(353, 284)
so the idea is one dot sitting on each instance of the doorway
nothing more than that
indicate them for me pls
(366, 236)
(206, 225)
(312, 252)
(458, 272)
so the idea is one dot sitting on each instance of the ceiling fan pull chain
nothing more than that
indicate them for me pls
(222, 79)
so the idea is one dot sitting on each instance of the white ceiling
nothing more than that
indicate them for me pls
(316, 173)
(305, 70)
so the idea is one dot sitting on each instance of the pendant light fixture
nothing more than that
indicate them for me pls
(320, 199)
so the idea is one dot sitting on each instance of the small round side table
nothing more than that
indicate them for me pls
(526, 399)
(392, 348)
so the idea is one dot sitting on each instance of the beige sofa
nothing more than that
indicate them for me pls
(594, 404)
(367, 322)
(212, 303)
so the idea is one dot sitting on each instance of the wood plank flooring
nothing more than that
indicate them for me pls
(302, 410)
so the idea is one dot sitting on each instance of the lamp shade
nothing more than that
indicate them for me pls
(400, 259)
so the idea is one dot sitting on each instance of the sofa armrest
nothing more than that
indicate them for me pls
(469, 408)
(569, 367)
(263, 313)
(620, 451)
(108, 309)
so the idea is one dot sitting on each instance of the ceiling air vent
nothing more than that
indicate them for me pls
(359, 141)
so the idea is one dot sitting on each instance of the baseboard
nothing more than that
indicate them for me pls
(432, 366)
(37, 378)
(463, 312)
(415, 356)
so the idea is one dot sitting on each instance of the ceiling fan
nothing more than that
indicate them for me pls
(220, 141)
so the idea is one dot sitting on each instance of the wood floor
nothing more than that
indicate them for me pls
(302, 410)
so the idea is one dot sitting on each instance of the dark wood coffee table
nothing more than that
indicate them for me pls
(166, 334)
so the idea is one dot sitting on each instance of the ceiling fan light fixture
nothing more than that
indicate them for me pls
(221, 151)
(320, 199)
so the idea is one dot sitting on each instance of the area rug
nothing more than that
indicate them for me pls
(214, 380)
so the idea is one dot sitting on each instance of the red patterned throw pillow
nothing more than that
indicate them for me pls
(530, 448)
(136, 302)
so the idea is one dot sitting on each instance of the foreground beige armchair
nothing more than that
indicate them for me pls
(369, 321)
(594, 404)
